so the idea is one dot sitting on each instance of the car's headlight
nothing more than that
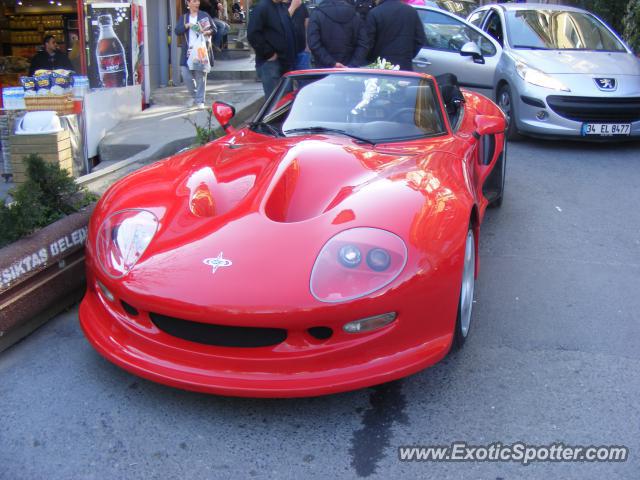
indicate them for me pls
(123, 238)
(355, 263)
(536, 77)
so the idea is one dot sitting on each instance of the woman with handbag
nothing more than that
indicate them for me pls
(195, 61)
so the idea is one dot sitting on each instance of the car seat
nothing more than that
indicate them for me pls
(451, 95)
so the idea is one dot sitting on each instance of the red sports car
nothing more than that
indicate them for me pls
(329, 245)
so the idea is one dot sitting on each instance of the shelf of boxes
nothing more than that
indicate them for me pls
(30, 37)
(36, 22)
(29, 30)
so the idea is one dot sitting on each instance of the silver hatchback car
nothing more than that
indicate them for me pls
(555, 70)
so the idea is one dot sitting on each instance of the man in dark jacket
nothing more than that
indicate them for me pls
(395, 33)
(272, 36)
(337, 35)
(49, 58)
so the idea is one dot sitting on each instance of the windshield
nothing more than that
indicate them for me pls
(559, 30)
(368, 107)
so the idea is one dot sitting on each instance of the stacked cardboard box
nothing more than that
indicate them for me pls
(7, 121)
(52, 147)
(4, 145)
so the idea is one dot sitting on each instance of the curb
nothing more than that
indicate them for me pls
(232, 75)
(41, 275)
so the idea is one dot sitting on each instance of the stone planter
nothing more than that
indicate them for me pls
(41, 275)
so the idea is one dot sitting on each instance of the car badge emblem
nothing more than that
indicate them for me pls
(217, 262)
(606, 84)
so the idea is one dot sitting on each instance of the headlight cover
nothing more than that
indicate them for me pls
(355, 263)
(123, 238)
(536, 77)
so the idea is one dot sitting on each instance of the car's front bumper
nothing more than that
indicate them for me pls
(299, 366)
(544, 112)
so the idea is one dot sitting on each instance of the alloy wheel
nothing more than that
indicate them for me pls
(468, 284)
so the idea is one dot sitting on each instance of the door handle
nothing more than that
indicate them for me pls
(421, 62)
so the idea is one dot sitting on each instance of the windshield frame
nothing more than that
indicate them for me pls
(510, 18)
(266, 112)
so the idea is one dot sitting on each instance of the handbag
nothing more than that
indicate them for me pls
(198, 55)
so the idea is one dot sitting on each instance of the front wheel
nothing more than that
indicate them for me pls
(465, 304)
(507, 105)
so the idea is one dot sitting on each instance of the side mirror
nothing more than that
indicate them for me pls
(470, 49)
(489, 125)
(223, 112)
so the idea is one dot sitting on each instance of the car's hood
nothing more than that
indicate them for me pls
(268, 208)
(580, 62)
(251, 218)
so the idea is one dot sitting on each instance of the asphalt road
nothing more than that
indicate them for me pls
(553, 357)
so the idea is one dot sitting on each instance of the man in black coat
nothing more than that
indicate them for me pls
(49, 58)
(395, 33)
(272, 36)
(337, 35)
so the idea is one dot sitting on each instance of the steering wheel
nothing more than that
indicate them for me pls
(399, 114)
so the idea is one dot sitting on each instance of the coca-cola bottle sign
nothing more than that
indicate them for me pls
(112, 62)
(110, 38)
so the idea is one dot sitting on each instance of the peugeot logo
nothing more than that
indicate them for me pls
(606, 84)
(217, 262)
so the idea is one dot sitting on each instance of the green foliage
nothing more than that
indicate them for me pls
(49, 193)
(632, 25)
(207, 132)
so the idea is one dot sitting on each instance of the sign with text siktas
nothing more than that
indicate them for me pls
(37, 260)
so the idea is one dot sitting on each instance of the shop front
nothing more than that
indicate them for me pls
(92, 71)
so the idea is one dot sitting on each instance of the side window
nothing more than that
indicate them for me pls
(447, 33)
(477, 18)
(494, 27)
(486, 47)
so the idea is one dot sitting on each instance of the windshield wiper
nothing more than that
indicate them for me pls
(270, 128)
(329, 130)
(531, 47)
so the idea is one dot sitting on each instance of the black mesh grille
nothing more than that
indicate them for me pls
(219, 335)
(593, 109)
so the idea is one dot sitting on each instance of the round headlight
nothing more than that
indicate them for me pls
(350, 256)
(339, 274)
(378, 259)
(123, 238)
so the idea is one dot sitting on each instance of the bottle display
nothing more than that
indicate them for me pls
(110, 55)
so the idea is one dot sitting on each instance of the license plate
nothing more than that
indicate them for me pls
(606, 129)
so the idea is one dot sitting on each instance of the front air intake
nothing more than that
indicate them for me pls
(219, 335)
(596, 109)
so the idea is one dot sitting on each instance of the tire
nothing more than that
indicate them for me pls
(467, 287)
(506, 104)
(497, 180)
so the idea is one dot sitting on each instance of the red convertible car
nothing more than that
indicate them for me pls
(329, 245)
